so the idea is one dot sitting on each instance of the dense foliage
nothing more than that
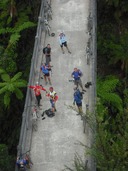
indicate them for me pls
(18, 20)
(110, 148)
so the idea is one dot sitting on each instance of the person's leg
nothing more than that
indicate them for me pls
(79, 105)
(81, 85)
(76, 83)
(49, 80)
(62, 48)
(38, 100)
(65, 44)
(52, 105)
(45, 79)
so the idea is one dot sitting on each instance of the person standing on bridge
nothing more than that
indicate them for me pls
(37, 89)
(77, 74)
(45, 70)
(53, 98)
(78, 96)
(47, 52)
(63, 42)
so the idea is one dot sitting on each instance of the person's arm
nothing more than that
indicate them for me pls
(42, 88)
(60, 41)
(32, 87)
(72, 75)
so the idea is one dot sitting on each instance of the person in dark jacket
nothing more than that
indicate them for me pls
(48, 54)
(78, 96)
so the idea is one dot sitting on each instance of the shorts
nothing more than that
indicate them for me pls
(47, 75)
(52, 103)
(64, 44)
(79, 104)
(78, 82)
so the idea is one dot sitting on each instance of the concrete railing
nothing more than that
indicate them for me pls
(91, 49)
(26, 127)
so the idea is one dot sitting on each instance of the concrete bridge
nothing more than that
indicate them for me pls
(57, 139)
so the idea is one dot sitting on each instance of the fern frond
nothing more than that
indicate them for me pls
(6, 30)
(18, 93)
(14, 38)
(7, 99)
(11, 87)
(20, 84)
(3, 84)
(114, 100)
(25, 25)
(17, 76)
(5, 77)
(3, 90)
(110, 85)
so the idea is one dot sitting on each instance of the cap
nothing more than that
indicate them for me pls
(37, 83)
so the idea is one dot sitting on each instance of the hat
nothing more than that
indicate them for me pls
(37, 83)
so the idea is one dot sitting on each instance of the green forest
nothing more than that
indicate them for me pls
(18, 21)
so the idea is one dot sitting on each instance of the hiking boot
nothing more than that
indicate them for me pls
(84, 90)
(69, 52)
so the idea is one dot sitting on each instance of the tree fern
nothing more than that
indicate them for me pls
(105, 90)
(11, 85)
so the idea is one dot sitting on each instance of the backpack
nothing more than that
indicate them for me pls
(44, 50)
(49, 113)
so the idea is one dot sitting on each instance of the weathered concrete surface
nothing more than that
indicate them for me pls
(57, 138)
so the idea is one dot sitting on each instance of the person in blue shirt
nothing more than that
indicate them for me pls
(21, 163)
(63, 42)
(45, 70)
(77, 74)
(78, 96)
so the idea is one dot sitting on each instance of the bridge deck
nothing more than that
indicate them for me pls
(57, 138)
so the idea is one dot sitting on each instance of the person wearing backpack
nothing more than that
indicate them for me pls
(78, 97)
(77, 74)
(47, 52)
(45, 70)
